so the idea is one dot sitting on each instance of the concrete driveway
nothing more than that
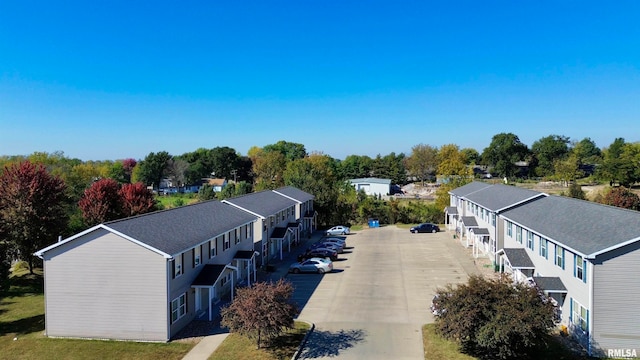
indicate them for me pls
(374, 304)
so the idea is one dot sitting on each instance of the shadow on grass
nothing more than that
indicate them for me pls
(287, 343)
(331, 343)
(23, 326)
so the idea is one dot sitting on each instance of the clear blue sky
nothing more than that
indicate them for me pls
(106, 80)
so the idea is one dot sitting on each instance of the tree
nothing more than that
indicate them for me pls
(224, 160)
(575, 191)
(390, 166)
(423, 161)
(268, 168)
(494, 318)
(175, 170)
(206, 192)
(622, 197)
(611, 164)
(587, 152)
(451, 162)
(136, 199)
(261, 311)
(503, 153)
(442, 193)
(290, 150)
(101, 202)
(355, 167)
(471, 156)
(547, 150)
(32, 208)
(152, 168)
(566, 170)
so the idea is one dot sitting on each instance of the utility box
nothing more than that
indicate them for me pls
(374, 223)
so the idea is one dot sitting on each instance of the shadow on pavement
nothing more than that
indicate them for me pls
(331, 343)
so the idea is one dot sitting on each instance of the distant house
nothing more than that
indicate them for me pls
(217, 184)
(146, 277)
(372, 186)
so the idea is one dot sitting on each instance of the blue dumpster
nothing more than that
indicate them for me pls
(374, 223)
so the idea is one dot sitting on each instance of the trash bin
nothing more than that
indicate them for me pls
(374, 223)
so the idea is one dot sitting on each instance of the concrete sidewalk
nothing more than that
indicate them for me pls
(210, 343)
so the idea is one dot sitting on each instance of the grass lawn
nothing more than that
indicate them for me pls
(173, 200)
(22, 317)
(435, 348)
(238, 347)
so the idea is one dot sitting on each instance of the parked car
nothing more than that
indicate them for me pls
(339, 248)
(425, 228)
(335, 240)
(338, 230)
(313, 265)
(321, 253)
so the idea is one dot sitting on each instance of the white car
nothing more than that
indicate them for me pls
(313, 265)
(338, 230)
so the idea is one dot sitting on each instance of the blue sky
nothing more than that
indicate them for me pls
(108, 80)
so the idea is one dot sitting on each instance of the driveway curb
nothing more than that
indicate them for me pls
(296, 355)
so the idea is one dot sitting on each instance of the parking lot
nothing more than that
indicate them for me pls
(374, 303)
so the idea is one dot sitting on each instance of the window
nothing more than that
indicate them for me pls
(530, 240)
(509, 229)
(559, 256)
(272, 220)
(264, 248)
(237, 239)
(178, 307)
(544, 243)
(264, 225)
(177, 266)
(197, 253)
(519, 234)
(493, 220)
(226, 241)
(214, 248)
(579, 268)
(579, 315)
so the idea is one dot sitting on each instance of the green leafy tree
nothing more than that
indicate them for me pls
(101, 202)
(611, 169)
(547, 150)
(471, 156)
(207, 192)
(494, 318)
(32, 208)
(225, 160)
(175, 170)
(117, 173)
(291, 151)
(355, 167)
(423, 162)
(262, 311)
(587, 152)
(268, 168)
(503, 152)
(567, 170)
(442, 193)
(152, 168)
(575, 191)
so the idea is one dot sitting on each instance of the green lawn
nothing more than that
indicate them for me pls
(435, 348)
(238, 347)
(22, 331)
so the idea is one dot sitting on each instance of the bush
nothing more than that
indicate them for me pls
(493, 318)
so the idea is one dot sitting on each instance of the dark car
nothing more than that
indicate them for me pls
(425, 228)
(321, 253)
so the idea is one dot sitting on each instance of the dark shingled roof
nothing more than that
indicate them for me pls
(469, 221)
(208, 275)
(480, 231)
(586, 227)
(294, 193)
(550, 284)
(244, 254)
(279, 233)
(518, 258)
(500, 197)
(469, 188)
(264, 203)
(451, 210)
(176, 230)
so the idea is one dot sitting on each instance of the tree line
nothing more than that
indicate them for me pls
(47, 195)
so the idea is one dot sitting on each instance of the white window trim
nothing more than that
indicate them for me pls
(214, 248)
(178, 266)
(179, 309)
(197, 257)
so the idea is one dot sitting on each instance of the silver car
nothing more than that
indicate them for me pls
(338, 247)
(313, 265)
(338, 230)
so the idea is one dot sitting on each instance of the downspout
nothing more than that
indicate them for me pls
(590, 313)
(168, 302)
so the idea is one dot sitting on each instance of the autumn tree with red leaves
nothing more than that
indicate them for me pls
(101, 202)
(136, 199)
(623, 198)
(261, 311)
(32, 208)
